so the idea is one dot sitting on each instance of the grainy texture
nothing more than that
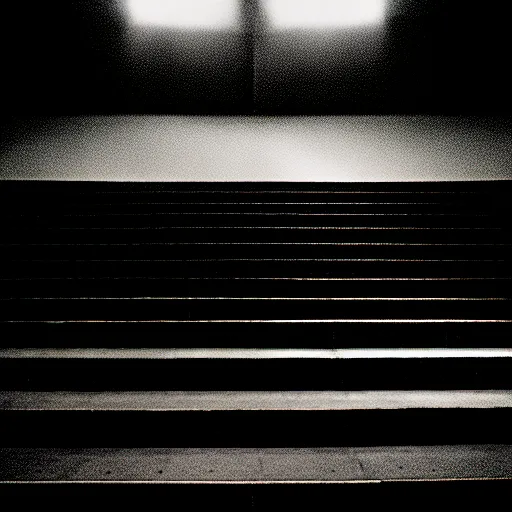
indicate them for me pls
(322, 149)
(257, 465)
(272, 332)
(217, 401)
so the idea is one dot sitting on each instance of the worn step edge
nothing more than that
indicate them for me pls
(251, 353)
(251, 401)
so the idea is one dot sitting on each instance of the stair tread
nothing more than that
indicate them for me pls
(252, 353)
(251, 401)
(258, 465)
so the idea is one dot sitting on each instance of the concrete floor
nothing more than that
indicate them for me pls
(323, 149)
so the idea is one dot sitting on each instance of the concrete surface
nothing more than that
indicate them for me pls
(323, 149)
(250, 401)
(251, 353)
(309, 465)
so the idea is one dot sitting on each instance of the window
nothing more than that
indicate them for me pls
(321, 14)
(185, 14)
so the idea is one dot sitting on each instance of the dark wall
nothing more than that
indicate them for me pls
(450, 56)
(63, 57)
(66, 57)
(84, 57)
(429, 57)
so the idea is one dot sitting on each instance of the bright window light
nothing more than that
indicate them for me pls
(284, 14)
(186, 14)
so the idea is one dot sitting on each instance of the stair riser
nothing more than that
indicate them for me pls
(193, 250)
(182, 287)
(202, 429)
(255, 234)
(254, 374)
(215, 309)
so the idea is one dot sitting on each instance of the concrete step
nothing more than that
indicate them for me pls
(253, 369)
(254, 419)
(269, 334)
(257, 465)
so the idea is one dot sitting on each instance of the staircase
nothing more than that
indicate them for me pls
(244, 333)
